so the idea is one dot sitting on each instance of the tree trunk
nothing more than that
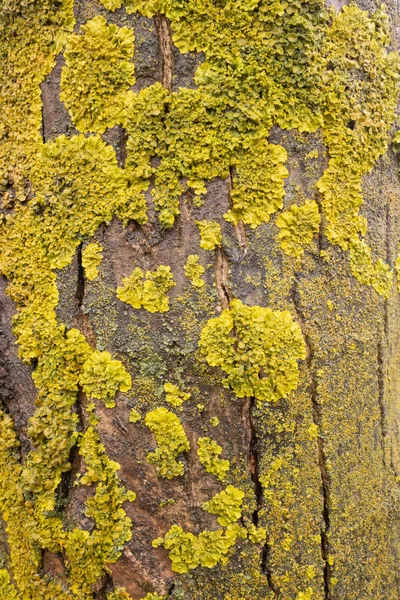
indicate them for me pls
(189, 290)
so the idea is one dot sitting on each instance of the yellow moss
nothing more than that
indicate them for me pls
(171, 441)
(97, 75)
(208, 452)
(298, 225)
(257, 347)
(194, 271)
(149, 293)
(91, 259)
(210, 234)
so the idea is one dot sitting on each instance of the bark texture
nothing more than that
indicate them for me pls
(319, 468)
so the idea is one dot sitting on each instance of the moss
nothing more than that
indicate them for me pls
(174, 395)
(91, 259)
(208, 452)
(227, 505)
(102, 377)
(257, 347)
(298, 225)
(194, 271)
(171, 441)
(97, 75)
(149, 292)
(210, 234)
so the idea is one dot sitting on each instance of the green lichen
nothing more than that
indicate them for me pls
(187, 551)
(91, 259)
(194, 271)
(298, 225)
(171, 442)
(174, 395)
(227, 505)
(102, 377)
(98, 73)
(208, 452)
(150, 292)
(134, 416)
(257, 347)
(210, 234)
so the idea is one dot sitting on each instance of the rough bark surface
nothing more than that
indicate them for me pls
(330, 509)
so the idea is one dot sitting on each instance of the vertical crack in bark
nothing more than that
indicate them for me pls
(381, 399)
(164, 33)
(170, 590)
(239, 227)
(221, 268)
(317, 418)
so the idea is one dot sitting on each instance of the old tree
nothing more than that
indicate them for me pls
(199, 324)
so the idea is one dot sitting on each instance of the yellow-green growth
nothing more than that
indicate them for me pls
(98, 73)
(194, 271)
(174, 396)
(258, 189)
(171, 441)
(102, 377)
(134, 416)
(257, 347)
(149, 293)
(7, 590)
(187, 551)
(91, 259)
(214, 421)
(210, 234)
(208, 452)
(227, 505)
(298, 225)
(397, 265)
(363, 268)
(112, 4)
(87, 553)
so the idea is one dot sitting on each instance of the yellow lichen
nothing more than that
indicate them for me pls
(194, 271)
(298, 225)
(91, 259)
(171, 442)
(210, 234)
(208, 452)
(174, 395)
(149, 293)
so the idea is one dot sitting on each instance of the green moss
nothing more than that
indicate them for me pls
(257, 347)
(227, 505)
(194, 271)
(171, 440)
(97, 75)
(208, 452)
(210, 234)
(298, 225)
(91, 259)
(150, 292)
(174, 395)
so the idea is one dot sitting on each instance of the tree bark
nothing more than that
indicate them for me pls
(318, 466)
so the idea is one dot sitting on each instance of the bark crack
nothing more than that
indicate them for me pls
(239, 227)
(221, 268)
(164, 33)
(322, 463)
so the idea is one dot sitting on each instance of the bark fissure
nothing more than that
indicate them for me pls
(381, 399)
(239, 227)
(221, 268)
(164, 33)
(322, 463)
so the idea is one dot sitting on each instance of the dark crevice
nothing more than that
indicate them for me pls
(221, 268)
(170, 589)
(381, 399)
(164, 33)
(80, 288)
(266, 570)
(317, 418)
(239, 227)
(254, 463)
